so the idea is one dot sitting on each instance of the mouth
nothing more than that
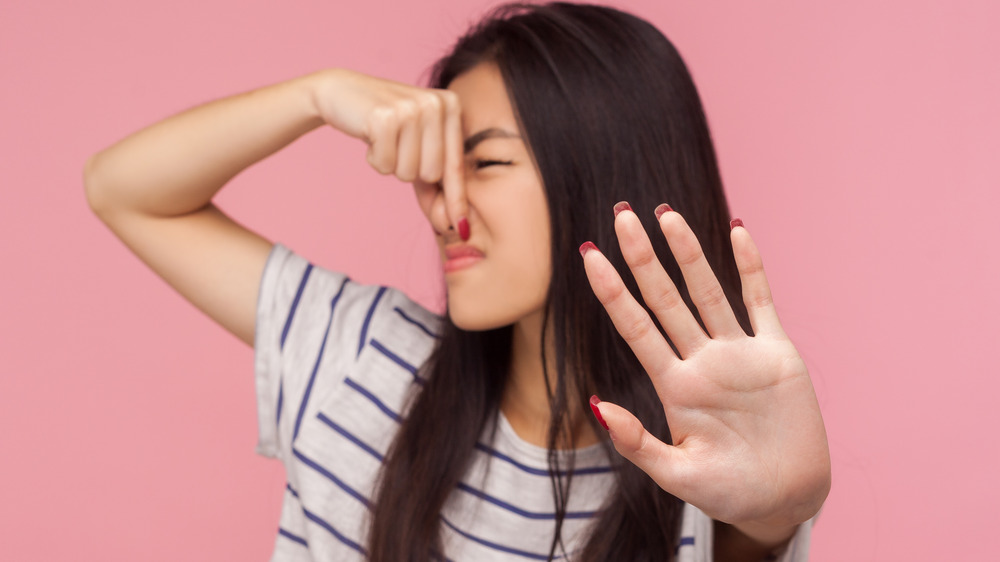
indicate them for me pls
(460, 256)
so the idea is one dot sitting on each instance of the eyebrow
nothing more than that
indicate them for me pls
(491, 133)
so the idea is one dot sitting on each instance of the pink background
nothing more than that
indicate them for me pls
(858, 141)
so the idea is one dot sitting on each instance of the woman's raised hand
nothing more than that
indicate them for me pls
(750, 447)
(412, 133)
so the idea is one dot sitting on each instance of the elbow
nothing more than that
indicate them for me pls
(94, 187)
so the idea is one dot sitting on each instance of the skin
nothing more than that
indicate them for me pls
(760, 468)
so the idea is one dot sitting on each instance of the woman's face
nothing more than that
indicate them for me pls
(502, 273)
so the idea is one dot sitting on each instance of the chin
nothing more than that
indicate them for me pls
(480, 316)
(473, 322)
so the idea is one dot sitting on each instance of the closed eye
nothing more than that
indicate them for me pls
(480, 164)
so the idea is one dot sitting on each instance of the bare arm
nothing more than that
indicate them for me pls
(154, 189)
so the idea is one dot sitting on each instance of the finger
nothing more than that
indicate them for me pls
(453, 178)
(703, 286)
(408, 150)
(756, 291)
(432, 118)
(663, 463)
(630, 319)
(658, 290)
(383, 132)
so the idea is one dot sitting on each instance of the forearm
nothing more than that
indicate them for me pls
(177, 165)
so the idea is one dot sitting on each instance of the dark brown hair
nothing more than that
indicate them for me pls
(610, 113)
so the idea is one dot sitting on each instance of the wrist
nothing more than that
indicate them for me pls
(749, 542)
(319, 86)
(338, 97)
(764, 535)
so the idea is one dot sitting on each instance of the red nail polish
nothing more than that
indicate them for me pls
(594, 401)
(586, 247)
(662, 208)
(463, 229)
(735, 222)
(622, 206)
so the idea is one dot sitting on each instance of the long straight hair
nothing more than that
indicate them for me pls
(609, 113)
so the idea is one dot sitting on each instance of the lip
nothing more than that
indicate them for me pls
(460, 256)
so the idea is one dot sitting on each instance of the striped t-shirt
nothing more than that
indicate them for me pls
(335, 363)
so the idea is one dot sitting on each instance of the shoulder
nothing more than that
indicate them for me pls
(300, 301)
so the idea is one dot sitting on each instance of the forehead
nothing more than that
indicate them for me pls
(484, 100)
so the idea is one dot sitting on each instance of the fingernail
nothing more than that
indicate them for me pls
(463, 229)
(662, 208)
(594, 401)
(586, 247)
(735, 222)
(622, 206)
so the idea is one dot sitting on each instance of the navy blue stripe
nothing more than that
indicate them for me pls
(496, 546)
(319, 357)
(292, 537)
(415, 323)
(541, 471)
(368, 319)
(290, 489)
(514, 509)
(397, 360)
(330, 476)
(350, 437)
(281, 401)
(295, 304)
(685, 541)
(319, 521)
(374, 399)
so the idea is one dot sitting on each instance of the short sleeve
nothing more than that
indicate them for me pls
(308, 324)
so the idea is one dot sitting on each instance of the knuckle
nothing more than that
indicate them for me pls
(381, 121)
(754, 267)
(760, 300)
(634, 329)
(712, 296)
(407, 109)
(687, 256)
(429, 102)
(381, 116)
(450, 100)
(405, 170)
(376, 162)
(645, 451)
(644, 259)
(430, 173)
(610, 296)
(665, 300)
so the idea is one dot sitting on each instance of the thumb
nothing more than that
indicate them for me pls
(663, 463)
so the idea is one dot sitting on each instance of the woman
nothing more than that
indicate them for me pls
(407, 436)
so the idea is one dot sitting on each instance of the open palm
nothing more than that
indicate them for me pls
(749, 442)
